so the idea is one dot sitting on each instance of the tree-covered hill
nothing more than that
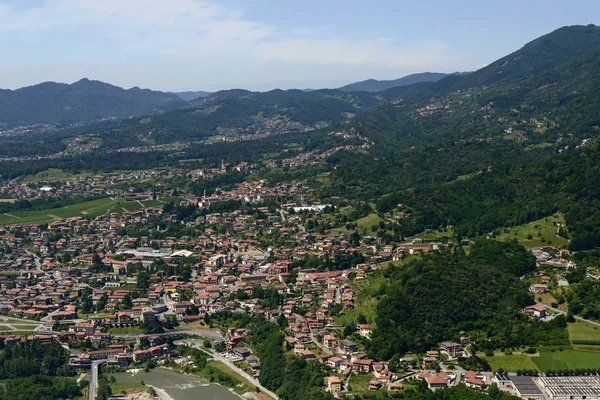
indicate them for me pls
(510, 143)
(82, 101)
(234, 111)
(540, 62)
(435, 297)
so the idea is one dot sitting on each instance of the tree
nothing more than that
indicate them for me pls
(350, 328)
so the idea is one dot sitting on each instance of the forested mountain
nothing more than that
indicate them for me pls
(567, 56)
(233, 111)
(373, 85)
(510, 143)
(82, 101)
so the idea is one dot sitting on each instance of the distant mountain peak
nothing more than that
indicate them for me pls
(83, 101)
(373, 85)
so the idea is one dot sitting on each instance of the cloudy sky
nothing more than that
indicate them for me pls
(209, 45)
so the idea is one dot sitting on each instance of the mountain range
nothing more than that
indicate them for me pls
(190, 96)
(508, 144)
(88, 100)
(82, 101)
(372, 85)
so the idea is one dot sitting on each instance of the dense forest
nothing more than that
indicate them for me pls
(434, 298)
(32, 371)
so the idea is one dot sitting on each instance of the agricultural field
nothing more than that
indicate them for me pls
(583, 331)
(537, 233)
(511, 363)
(566, 359)
(91, 209)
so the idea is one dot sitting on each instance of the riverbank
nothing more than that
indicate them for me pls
(170, 384)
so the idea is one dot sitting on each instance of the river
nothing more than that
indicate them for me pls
(177, 386)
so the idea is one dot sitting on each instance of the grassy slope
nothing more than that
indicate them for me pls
(546, 226)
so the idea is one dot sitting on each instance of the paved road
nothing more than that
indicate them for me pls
(319, 345)
(198, 332)
(243, 373)
(94, 379)
(217, 357)
(9, 321)
(564, 313)
(36, 259)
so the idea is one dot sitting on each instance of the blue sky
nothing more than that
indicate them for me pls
(263, 44)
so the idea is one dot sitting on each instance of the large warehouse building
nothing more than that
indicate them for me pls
(571, 387)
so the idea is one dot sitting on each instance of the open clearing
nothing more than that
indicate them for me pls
(537, 233)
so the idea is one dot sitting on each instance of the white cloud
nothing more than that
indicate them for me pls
(190, 44)
(378, 53)
(167, 20)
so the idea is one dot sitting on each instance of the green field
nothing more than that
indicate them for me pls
(436, 234)
(510, 363)
(360, 383)
(52, 174)
(224, 368)
(117, 388)
(566, 359)
(122, 330)
(91, 209)
(583, 331)
(544, 228)
(369, 221)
